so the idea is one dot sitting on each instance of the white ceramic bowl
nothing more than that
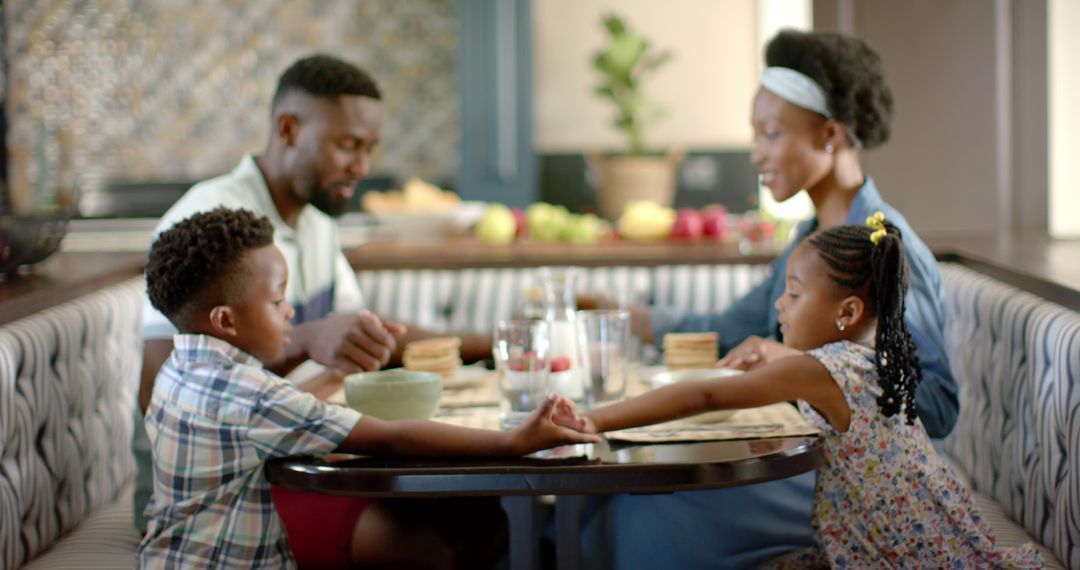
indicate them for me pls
(394, 394)
(663, 377)
(427, 226)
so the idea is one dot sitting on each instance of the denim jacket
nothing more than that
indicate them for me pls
(756, 314)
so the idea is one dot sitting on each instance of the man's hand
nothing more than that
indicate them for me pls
(755, 352)
(541, 431)
(351, 343)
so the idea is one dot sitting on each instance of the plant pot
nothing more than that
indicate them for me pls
(626, 178)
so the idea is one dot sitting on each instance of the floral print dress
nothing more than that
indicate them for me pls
(884, 498)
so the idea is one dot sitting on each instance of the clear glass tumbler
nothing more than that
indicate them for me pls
(522, 351)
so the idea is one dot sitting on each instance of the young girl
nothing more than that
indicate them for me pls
(883, 497)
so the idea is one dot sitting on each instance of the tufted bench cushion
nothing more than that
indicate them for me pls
(473, 299)
(105, 540)
(68, 377)
(1016, 360)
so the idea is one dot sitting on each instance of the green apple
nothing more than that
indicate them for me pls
(546, 221)
(497, 226)
(581, 229)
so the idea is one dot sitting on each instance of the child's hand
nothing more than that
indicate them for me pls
(565, 414)
(755, 352)
(540, 431)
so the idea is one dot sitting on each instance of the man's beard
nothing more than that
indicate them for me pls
(325, 200)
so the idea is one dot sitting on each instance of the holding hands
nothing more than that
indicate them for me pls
(755, 352)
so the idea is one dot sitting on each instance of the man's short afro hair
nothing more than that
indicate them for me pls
(325, 76)
(198, 252)
(850, 72)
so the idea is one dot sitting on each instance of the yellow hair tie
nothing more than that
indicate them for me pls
(877, 221)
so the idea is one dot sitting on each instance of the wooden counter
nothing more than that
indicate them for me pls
(1049, 268)
(63, 277)
(1046, 267)
(468, 253)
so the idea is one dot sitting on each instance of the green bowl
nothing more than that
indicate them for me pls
(395, 394)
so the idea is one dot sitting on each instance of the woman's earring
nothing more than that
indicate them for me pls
(828, 148)
(840, 326)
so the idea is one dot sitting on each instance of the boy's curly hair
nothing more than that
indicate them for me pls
(850, 72)
(195, 260)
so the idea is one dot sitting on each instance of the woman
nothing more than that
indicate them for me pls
(822, 99)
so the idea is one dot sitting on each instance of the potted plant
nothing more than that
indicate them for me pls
(623, 63)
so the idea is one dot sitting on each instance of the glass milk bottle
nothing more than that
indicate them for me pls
(569, 361)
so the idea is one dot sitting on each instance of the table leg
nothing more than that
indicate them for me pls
(568, 530)
(522, 515)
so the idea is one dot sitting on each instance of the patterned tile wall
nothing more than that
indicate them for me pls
(136, 90)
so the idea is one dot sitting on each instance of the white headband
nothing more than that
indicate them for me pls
(796, 88)
(801, 91)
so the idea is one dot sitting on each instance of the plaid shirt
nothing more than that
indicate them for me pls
(215, 417)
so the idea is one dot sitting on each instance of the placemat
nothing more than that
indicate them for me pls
(776, 420)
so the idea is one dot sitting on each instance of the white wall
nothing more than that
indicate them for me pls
(1064, 124)
(706, 89)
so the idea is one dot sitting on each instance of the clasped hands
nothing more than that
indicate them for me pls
(755, 352)
(350, 342)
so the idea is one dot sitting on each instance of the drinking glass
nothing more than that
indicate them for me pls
(607, 339)
(522, 351)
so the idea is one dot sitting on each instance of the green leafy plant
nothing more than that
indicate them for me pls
(624, 63)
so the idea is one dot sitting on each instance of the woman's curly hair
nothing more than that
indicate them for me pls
(850, 72)
(198, 255)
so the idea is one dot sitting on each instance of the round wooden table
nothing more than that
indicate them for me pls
(570, 473)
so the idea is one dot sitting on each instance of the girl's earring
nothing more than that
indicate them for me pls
(828, 148)
(840, 326)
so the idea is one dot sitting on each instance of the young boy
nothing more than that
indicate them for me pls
(216, 415)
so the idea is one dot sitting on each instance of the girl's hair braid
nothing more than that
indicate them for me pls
(880, 271)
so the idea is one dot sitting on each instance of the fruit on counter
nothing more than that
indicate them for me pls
(583, 228)
(415, 196)
(689, 224)
(519, 219)
(715, 221)
(546, 221)
(645, 220)
(497, 225)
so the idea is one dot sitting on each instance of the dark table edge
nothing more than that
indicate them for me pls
(377, 482)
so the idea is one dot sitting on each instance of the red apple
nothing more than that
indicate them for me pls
(519, 219)
(688, 225)
(524, 362)
(560, 363)
(715, 221)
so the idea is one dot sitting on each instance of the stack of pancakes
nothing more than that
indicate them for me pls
(683, 351)
(441, 355)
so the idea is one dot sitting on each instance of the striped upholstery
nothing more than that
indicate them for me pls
(1016, 359)
(105, 540)
(473, 299)
(68, 377)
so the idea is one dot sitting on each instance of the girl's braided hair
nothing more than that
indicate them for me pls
(878, 269)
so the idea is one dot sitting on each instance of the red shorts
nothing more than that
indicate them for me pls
(320, 527)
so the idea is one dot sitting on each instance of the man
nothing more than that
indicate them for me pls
(325, 121)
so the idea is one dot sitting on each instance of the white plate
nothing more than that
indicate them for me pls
(661, 376)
